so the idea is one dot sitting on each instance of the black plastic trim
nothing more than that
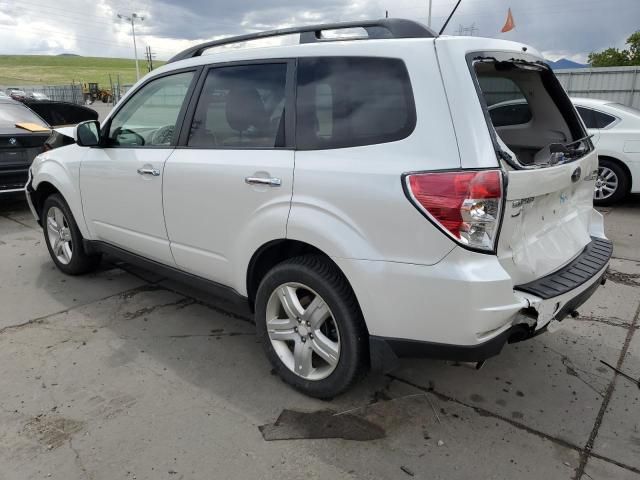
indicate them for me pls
(580, 270)
(382, 350)
(216, 289)
(383, 28)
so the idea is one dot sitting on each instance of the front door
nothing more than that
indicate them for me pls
(121, 182)
(228, 187)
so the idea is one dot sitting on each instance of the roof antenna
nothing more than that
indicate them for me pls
(449, 18)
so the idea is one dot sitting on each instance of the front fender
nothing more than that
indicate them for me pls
(64, 176)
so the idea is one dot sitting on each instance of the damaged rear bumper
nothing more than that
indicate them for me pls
(572, 285)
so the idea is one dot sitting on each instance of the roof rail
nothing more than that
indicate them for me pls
(383, 28)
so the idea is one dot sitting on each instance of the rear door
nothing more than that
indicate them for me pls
(548, 210)
(548, 207)
(228, 186)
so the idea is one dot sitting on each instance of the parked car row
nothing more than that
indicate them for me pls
(21, 96)
(29, 128)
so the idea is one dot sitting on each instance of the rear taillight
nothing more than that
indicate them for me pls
(465, 204)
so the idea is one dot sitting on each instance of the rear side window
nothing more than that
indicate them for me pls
(511, 114)
(507, 104)
(595, 119)
(352, 101)
(10, 114)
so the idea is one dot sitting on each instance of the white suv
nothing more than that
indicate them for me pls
(352, 190)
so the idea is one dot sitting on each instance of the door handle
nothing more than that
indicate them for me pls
(271, 182)
(149, 171)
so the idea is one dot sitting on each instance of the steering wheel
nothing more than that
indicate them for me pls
(163, 135)
(125, 131)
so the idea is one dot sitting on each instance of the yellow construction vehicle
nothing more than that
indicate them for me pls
(92, 92)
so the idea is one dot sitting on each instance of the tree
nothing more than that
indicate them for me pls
(612, 57)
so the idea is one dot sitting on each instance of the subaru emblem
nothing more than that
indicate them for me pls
(12, 141)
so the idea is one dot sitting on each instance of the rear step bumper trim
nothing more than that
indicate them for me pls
(579, 271)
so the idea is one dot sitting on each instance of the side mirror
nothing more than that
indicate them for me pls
(87, 133)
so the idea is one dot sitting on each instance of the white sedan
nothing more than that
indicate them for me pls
(616, 135)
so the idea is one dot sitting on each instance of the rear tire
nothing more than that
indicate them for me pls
(612, 184)
(311, 326)
(63, 238)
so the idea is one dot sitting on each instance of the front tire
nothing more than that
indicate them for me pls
(63, 238)
(311, 326)
(612, 184)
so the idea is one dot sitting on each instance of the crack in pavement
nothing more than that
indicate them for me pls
(40, 320)
(78, 460)
(587, 450)
(487, 413)
(182, 303)
(20, 223)
(629, 279)
(611, 321)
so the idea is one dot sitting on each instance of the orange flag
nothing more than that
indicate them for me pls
(509, 24)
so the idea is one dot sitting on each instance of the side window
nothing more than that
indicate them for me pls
(241, 107)
(507, 104)
(587, 116)
(602, 119)
(595, 119)
(352, 101)
(514, 114)
(149, 117)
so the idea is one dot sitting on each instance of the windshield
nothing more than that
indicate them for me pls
(11, 114)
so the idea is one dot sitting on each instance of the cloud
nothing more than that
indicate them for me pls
(571, 28)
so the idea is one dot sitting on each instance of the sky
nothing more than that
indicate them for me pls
(558, 28)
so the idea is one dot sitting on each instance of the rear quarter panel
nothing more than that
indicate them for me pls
(349, 202)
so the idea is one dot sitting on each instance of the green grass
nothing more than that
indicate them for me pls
(23, 70)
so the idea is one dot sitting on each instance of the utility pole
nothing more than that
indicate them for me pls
(149, 56)
(132, 19)
(429, 16)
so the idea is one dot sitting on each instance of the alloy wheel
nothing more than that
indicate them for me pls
(303, 331)
(59, 235)
(606, 183)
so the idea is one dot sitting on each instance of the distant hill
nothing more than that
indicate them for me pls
(24, 70)
(68, 55)
(564, 63)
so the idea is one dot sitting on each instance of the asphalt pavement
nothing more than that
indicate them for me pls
(122, 374)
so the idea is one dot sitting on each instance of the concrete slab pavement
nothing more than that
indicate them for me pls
(145, 378)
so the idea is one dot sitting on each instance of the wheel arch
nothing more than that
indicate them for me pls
(48, 182)
(276, 251)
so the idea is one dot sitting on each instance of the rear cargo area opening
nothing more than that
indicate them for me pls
(530, 112)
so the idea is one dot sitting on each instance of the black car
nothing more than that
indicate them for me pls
(18, 146)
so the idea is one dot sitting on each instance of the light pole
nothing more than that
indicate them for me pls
(132, 18)
(429, 16)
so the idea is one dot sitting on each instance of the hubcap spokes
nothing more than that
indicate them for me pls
(606, 183)
(59, 235)
(303, 331)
